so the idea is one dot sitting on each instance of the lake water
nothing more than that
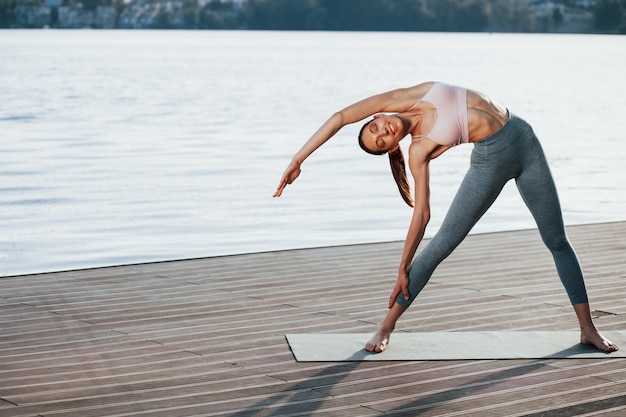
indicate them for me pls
(122, 147)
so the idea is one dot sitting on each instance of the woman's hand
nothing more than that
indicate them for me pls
(402, 286)
(289, 176)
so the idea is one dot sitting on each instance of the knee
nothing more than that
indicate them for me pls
(556, 242)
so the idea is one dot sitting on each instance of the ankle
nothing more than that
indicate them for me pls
(588, 328)
(385, 327)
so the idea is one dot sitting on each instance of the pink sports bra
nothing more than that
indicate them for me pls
(451, 127)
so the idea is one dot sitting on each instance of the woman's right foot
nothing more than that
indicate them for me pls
(379, 341)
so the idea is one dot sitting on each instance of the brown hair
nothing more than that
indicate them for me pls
(398, 167)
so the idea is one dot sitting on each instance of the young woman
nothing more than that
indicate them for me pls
(439, 116)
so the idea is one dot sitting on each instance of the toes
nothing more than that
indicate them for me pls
(375, 347)
(382, 346)
(372, 348)
(608, 346)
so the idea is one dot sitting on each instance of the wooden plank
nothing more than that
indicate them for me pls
(206, 336)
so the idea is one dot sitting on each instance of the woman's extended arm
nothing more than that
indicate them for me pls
(325, 132)
(392, 101)
(419, 159)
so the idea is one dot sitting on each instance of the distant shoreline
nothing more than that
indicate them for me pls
(537, 16)
(116, 29)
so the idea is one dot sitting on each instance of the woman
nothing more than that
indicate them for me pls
(438, 116)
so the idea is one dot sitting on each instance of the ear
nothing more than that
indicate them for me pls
(394, 149)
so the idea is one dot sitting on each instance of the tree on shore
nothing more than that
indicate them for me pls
(368, 15)
(608, 14)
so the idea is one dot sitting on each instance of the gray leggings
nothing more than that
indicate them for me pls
(512, 152)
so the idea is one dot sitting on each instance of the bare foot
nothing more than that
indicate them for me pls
(594, 338)
(379, 341)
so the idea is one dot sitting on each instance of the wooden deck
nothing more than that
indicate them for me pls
(205, 337)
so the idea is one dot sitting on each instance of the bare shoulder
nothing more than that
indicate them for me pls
(402, 99)
(420, 154)
(420, 89)
(422, 151)
(394, 101)
(411, 95)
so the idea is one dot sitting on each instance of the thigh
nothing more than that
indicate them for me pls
(538, 190)
(478, 190)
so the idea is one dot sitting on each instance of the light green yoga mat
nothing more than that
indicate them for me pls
(322, 347)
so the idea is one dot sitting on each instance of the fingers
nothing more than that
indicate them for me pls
(284, 181)
(401, 287)
(280, 188)
(392, 298)
(290, 175)
(394, 295)
(405, 292)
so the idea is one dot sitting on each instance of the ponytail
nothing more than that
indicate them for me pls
(398, 168)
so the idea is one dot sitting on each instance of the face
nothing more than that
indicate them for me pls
(383, 133)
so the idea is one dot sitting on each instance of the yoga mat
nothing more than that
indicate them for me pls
(323, 347)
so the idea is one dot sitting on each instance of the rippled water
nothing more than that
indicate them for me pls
(132, 146)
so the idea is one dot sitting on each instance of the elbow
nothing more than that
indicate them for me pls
(422, 215)
(338, 118)
(336, 122)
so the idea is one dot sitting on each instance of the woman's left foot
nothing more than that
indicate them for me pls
(594, 338)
